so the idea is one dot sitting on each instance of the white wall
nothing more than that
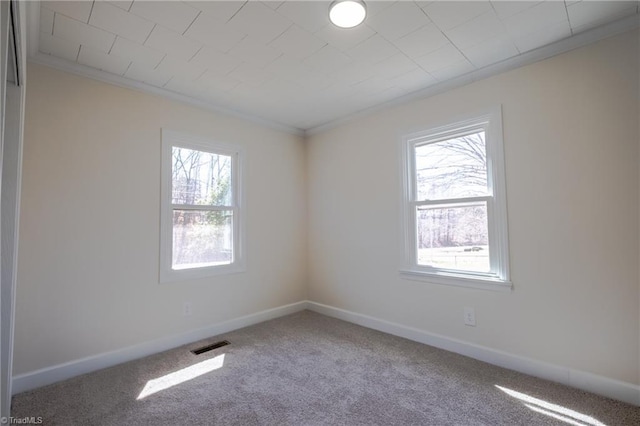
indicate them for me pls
(571, 145)
(88, 259)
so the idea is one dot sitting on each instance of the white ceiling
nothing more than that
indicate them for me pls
(283, 62)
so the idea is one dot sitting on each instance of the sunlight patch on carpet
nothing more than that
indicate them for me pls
(552, 410)
(181, 376)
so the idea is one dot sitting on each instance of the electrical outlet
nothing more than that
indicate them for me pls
(186, 309)
(469, 316)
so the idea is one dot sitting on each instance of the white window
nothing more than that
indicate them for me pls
(454, 209)
(201, 215)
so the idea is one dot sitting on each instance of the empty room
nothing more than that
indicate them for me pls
(320, 212)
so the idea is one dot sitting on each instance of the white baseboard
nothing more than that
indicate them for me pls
(615, 389)
(56, 373)
(600, 385)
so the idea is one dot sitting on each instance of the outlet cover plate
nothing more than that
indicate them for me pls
(469, 316)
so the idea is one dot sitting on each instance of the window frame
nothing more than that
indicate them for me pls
(499, 276)
(172, 139)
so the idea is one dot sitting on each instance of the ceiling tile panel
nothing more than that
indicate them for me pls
(260, 21)
(536, 18)
(312, 16)
(372, 99)
(388, 95)
(148, 75)
(243, 93)
(333, 93)
(254, 52)
(172, 43)
(423, 4)
(117, 21)
(78, 10)
(344, 106)
(288, 67)
(505, 9)
(124, 5)
(548, 35)
(215, 60)
(185, 87)
(313, 79)
(179, 68)
(102, 61)
(214, 81)
(174, 15)
(353, 73)
(347, 38)
(414, 80)
(477, 30)
(490, 51)
(273, 4)
(373, 50)
(373, 85)
(213, 33)
(422, 41)
(588, 14)
(378, 6)
(220, 11)
(298, 43)
(58, 47)
(452, 71)
(250, 75)
(442, 58)
(285, 89)
(394, 66)
(73, 30)
(225, 98)
(448, 15)
(398, 20)
(136, 52)
(328, 59)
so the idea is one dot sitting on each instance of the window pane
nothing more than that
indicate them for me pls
(454, 238)
(202, 238)
(200, 178)
(452, 168)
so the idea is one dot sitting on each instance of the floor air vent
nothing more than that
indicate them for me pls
(210, 347)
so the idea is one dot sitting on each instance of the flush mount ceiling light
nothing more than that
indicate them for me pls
(347, 13)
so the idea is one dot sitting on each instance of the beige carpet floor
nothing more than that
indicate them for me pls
(309, 369)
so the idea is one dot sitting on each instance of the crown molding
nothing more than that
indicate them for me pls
(117, 80)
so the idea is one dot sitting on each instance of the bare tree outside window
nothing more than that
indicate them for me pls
(201, 237)
(453, 234)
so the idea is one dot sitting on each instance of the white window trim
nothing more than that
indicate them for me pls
(496, 206)
(167, 273)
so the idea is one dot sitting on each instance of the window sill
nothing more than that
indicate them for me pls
(174, 275)
(478, 282)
